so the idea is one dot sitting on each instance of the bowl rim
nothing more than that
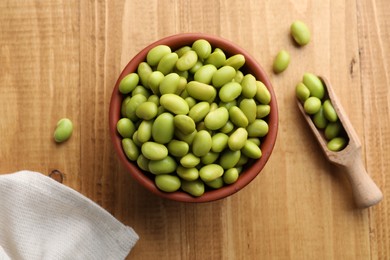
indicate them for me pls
(175, 41)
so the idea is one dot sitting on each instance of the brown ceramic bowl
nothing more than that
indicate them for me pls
(251, 169)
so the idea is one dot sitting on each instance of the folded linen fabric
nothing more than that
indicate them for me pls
(43, 219)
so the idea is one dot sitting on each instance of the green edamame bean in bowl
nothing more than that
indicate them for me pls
(185, 164)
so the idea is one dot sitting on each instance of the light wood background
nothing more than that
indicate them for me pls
(62, 58)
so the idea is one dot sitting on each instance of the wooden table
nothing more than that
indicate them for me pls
(62, 58)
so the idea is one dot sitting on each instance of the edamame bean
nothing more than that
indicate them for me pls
(217, 58)
(186, 138)
(223, 75)
(319, 119)
(161, 110)
(163, 128)
(209, 158)
(189, 160)
(187, 61)
(183, 74)
(130, 149)
(239, 77)
(167, 63)
(300, 32)
(146, 110)
(184, 93)
(219, 142)
(132, 105)
(202, 48)
(281, 62)
(249, 108)
(169, 84)
(262, 111)
(312, 105)
(201, 126)
(184, 123)
(156, 54)
(196, 67)
(195, 187)
(125, 127)
(314, 84)
(201, 91)
(230, 176)
(201, 144)
(154, 99)
(205, 73)
(143, 162)
(251, 150)
(210, 172)
(215, 184)
(154, 151)
(174, 104)
(216, 118)
(329, 111)
(178, 148)
(190, 101)
(135, 139)
(258, 128)
(243, 160)
(255, 140)
(226, 129)
(230, 91)
(163, 166)
(180, 52)
(188, 174)
(302, 92)
(154, 81)
(229, 158)
(144, 132)
(182, 86)
(144, 71)
(262, 93)
(128, 83)
(64, 130)
(337, 144)
(141, 90)
(238, 117)
(218, 50)
(123, 106)
(167, 183)
(213, 106)
(237, 139)
(228, 105)
(332, 130)
(249, 87)
(236, 61)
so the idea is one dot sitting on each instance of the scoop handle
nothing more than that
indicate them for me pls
(366, 192)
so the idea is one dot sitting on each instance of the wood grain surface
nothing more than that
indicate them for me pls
(62, 58)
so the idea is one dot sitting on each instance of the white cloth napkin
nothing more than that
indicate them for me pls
(43, 219)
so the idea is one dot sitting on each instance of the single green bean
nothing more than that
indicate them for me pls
(64, 130)
(167, 183)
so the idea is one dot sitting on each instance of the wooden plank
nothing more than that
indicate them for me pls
(374, 54)
(39, 85)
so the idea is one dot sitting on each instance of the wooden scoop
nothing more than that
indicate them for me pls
(365, 191)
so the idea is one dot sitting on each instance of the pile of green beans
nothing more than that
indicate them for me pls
(312, 94)
(192, 117)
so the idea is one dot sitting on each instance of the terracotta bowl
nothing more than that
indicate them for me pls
(251, 169)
